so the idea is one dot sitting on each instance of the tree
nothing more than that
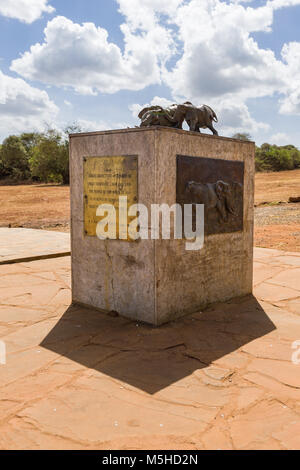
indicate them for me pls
(50, 158)
(242, 136)
(14, 158)
(3, 170)
(30, 140)
(72, 128)
(274, 158)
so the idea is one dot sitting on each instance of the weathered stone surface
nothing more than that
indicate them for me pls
(289, 435)
(263, 272)
(217, 439)
(285, 374)
(79, 379)
(20, 244)
(289, 260)
(273, 417)
(270, 292)
(291, 305)
(288, 278)
(248, 396)
(159, 280)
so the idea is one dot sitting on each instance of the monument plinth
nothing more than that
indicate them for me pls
(158, 280)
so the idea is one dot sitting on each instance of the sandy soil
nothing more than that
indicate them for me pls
(276, 187)
(277, 223)
(35, 206)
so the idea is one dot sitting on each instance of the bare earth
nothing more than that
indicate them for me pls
(35, 206)
(276, 187)
(277, 223)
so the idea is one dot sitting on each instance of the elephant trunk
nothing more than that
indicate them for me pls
(230, 206)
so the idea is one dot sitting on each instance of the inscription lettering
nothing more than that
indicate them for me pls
(104, 180)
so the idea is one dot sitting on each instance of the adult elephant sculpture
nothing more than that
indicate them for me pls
(202, 118)
(196, 118)
(219, 195)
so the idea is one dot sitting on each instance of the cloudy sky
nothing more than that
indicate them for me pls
(97, 62)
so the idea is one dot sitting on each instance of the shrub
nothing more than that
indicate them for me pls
(14, 159)
(50, 159)
(273, 158)
(242, 136)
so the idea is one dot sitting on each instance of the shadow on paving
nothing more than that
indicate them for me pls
(152, 358)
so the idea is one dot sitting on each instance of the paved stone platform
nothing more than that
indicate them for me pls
(219, 379)
(21, 244)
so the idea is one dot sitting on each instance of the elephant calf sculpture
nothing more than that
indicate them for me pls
(158, 116)
(176, 114)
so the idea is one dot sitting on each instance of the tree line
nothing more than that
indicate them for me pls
(276, 158)
(44, 157)
(273, 157)
(36, 156)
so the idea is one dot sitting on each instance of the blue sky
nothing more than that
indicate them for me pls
(97, 62)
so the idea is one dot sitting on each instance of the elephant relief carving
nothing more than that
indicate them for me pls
(221, 196)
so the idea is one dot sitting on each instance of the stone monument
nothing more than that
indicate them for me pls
(156, 280)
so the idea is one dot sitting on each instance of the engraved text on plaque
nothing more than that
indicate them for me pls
(105, 179)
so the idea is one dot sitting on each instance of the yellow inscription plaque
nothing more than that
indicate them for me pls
(105, 179)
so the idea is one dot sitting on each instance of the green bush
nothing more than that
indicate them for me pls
(274, 158)
(50, 159)
(38, 156)
(14, 159)
(29, 141)
(3, 170)
(242, 136)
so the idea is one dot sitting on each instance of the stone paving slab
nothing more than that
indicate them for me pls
(75, 378)
(21, 244)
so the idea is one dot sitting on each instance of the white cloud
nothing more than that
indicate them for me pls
(25, 10)
(276, 4)
(87, 125)
(235, 117)
(220, 60)
(291, 56)
(280, 138)
(220, 63)
(23, 107)
(145, 14)
(81, 57)
(135, 108)
(215, 60)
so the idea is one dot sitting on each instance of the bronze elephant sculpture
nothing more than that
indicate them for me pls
(196, 118)
(176, 114)
(157, 116)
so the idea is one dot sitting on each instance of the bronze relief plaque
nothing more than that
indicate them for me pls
(216, 183)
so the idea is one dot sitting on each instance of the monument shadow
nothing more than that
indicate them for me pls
(152, 358)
